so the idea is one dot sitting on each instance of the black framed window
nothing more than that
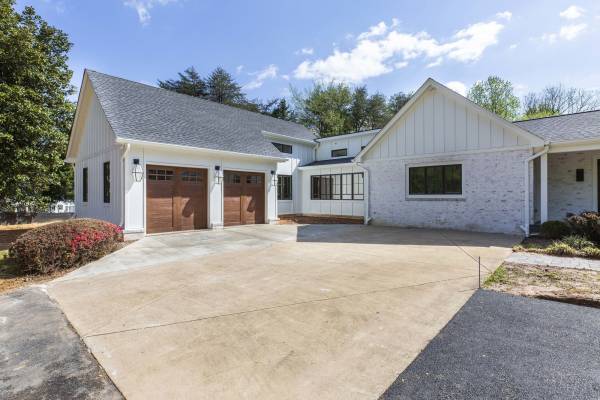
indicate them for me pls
(337, 187)
(106, 181)
(284, 187)
(435, 180)
(284, 148)
(84, 185)
(339, 153)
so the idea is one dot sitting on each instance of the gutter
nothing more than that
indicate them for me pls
(127, 147)
(525, 227)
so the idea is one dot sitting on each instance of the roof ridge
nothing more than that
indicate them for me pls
(201, 99)
(557, 116)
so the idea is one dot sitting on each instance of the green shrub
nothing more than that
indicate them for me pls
(577, 242)
(554, 229)
(586, 224)
(64, 244)
(562, 249)
(591, 252)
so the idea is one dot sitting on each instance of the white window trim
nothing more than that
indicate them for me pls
(434, 196)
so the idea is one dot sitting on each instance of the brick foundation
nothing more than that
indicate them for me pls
(319, 219)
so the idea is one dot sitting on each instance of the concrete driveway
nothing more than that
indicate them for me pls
(272, 311)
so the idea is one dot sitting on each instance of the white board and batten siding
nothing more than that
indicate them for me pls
(442, 128)
(353, 142)
(302, 154)
(436, 124)
(97, 146)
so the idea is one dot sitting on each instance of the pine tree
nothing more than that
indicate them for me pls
(189, 82)
(222, 88)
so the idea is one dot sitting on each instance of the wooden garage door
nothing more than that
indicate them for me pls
(177, 199)
(244, 198)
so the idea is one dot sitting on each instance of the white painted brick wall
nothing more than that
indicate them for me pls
(565, 194)
(494, 194)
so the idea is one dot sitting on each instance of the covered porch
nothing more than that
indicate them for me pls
(563, 180)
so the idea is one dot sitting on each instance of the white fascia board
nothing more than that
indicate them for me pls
(199, 149)
(307, 167)
(69, 156)
(347, 135)
(575, 145)
(279, 136)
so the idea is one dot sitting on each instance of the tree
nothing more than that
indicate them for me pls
(359, 108)
(222, 88)
(283, 111)
(189, 82)
(496, 95)
(325, 108)
(378, 113)
(558, 100)
(35, 113)
(397, 101)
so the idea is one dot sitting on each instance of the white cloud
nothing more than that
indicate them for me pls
(570, 32)
(458, 87)
(507, 15)
(143, 7)
(401, 64)
(435, 63)
(572, 12)
(376, 30)
(285, 77)
(261, 76)
(239, 69)
(306, 51)
(377, 54)
(513, 46)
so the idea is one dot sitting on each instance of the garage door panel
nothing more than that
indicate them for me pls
(243, 198)
(176, 199)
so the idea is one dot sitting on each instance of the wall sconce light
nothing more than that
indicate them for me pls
(218, 175)
(137, 171)
(274, 177)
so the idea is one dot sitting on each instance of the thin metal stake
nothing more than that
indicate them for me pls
(479, 264)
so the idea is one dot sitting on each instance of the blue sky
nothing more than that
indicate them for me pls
(388, 45)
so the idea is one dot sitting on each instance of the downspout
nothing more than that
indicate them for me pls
(124, 163)
(525, 227)
(367, 182)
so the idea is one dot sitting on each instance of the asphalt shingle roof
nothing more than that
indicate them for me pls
(142, 112)
(564, 128)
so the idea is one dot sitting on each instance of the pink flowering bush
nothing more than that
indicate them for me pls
(65, 244)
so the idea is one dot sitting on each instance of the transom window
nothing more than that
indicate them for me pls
(233, 179)
(435, 180)
(160, 174)
(284, 187)
(337, 187)
(284, 148)
(192, 177)
(253, 179)
(339, 153)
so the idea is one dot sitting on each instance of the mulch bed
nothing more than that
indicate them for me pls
(574, 286)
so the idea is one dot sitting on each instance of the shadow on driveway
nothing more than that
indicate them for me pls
(506, 347)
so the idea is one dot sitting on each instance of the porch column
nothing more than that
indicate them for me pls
(544, 187)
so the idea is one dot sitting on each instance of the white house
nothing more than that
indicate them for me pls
(152, 160)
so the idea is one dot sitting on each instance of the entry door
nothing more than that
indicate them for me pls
(244, 198)
(176, 199)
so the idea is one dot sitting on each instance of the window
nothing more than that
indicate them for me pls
(339, 153)
(337, 187)
(191, 177)
(284, 148)
(284, 187)
(435, 180)
(160, 174)
(233, 179)
(253, 179)
(84, 185)
(106, 181)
